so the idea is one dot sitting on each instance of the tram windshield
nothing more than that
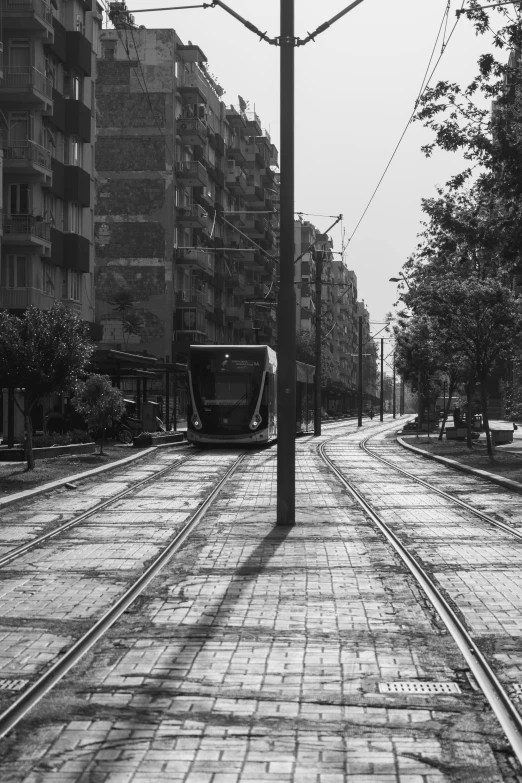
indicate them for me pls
(227, 384)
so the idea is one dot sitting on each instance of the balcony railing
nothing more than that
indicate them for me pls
(193, 80)
(39, 7)
(192, 170)
(26, 224)
(29, 151)
(27, 76)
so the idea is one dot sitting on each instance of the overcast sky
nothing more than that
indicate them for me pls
(356, 87)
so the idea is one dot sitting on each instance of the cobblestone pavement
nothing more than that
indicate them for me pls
(273, 654)
(477, 565)
(51, 594)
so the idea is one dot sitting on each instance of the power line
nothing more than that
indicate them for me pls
(423, 88)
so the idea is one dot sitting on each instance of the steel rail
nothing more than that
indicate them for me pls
(18, 709)
(506, 712)
(18, 551)
(495, 522)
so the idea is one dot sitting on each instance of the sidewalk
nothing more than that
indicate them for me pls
(260, 653)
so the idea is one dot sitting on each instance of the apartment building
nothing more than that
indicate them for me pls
(185, 221)
(340, 311)
(47, 130)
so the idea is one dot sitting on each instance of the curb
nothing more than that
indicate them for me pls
(516, 486)
(29, 493)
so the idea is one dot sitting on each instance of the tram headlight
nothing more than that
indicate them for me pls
(196, 421)
(256, 421)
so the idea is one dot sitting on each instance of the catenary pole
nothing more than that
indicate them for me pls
(394, 389)
(286, 371)
(360, 384)
(318, 329)
(381, 412)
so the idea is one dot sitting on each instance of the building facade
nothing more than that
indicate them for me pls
(340, 315)
(185, 221)
(48, 131)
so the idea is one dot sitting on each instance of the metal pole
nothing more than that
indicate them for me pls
(401, 399)
(167, 400)
(286, 396)
(382, 380)
(419, 403)
(394, 391)
(360, 385)
(318, 329)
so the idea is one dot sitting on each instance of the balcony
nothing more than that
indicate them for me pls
(255, 196)
(236, 281)
(235, 118)
(219, 177)
(192, 217)
(26, 230)
(236, 151)
(22, 298)
(191, 299)
(267, 177)
(77, 185)
(26, 84)
(192, 131)
(58, 46)
(236, 179)
(256, 227)
(193, 173)
(28, 158)
(194, 259)
(237, 218)
(35, 15)
(78, 119)
(193, 88)
(254, 123)
(79, 52)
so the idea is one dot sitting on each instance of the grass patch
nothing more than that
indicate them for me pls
(14, 476)
(502, 463)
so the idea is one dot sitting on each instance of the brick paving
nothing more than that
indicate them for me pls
(50, 593)
(257, 655)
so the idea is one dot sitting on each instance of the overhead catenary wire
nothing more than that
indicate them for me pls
(423, 88)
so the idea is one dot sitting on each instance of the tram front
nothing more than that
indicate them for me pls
(232, 394)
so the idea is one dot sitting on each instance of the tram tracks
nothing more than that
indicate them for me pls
(483, 671)
(45, 681)
(23, 549)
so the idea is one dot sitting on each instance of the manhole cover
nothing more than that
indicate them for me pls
(419, 687)
(12, 685)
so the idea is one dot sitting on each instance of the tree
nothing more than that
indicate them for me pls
(42, 352)
(99, 402)
(305, 352)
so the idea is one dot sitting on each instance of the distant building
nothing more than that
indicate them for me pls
(340, 313)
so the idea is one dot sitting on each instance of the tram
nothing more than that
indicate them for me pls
(233, 395)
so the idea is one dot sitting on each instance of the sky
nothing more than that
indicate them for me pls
(355, 90)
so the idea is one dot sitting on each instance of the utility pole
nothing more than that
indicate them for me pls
(318, 329)
(360, 386)
(401, 399)
(382, 380)
(394, 411)
(419, 403)
(286, 371)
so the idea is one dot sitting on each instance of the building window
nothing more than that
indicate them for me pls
(80, 24)
(75, 218)
(49, 279)
(18, 128)
(72, 86)
(72, 285)
(19, 199)
(13, 272)
(20, 53)
(73, 151)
